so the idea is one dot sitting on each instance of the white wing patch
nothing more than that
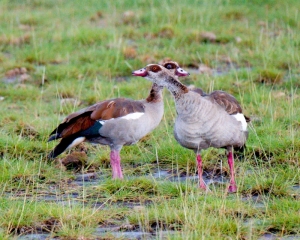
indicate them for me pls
(130, 116)
(133, 116)
(102, 122)
(240, 117)
(76, 141)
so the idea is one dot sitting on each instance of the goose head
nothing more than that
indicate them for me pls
(174, 67)
(154, 73)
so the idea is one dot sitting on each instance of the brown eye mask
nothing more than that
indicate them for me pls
(155, 68)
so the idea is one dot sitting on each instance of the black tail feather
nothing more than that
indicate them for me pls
(91, 132)
(61, 147)
(53, 137)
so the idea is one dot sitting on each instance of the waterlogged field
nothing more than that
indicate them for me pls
(59, 56)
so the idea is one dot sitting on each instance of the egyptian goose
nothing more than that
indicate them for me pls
(201, 121)
(114, 122)
(224, 99)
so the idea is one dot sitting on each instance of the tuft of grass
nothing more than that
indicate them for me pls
(269, 76)
(139, 190)
(286, 220)
(65, 221)
(197, 215)
(271, 181)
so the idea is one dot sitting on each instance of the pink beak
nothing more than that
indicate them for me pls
(140, 73)
(181, 73)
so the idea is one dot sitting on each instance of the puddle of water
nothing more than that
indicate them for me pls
(58, 197)
(193, 178)
(64, 199)
(46, 197)
(35, 236)
(166, 175)
(270, 236)
(128, 204)
(88, 179)
(250, 222)
(86, 183)
(107, 229)
(138, 234)
(114, 231)
(257, 201)
(165, 234)
(290, 237)
(161, 174)
(130, 235)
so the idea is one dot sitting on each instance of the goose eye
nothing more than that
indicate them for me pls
(155, 68)
(169, 66)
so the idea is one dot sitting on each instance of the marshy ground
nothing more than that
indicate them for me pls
(59, 56)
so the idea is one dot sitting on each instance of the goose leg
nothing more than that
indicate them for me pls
(200, 171)
(232, 187)
(115, 162)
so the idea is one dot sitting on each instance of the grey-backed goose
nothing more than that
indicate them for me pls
(201, 121)
(224, 99)
(114, 122)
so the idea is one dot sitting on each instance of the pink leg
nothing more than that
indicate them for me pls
(199, 163)
(232, 187)
(115, 162)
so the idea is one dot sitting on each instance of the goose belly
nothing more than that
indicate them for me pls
(217, 132)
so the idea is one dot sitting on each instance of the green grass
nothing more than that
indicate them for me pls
(79, 52)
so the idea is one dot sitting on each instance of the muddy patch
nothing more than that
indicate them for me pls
(16, 75)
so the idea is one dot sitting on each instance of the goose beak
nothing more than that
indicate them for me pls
(181, 73)
(140, 73)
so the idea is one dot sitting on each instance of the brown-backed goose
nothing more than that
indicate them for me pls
(114, 122)
(201, 121)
